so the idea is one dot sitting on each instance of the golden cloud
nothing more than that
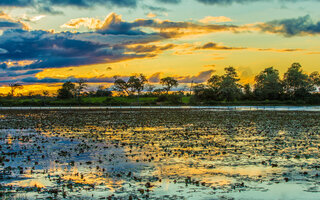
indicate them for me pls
(218, 19)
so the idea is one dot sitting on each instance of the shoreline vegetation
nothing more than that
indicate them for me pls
(296, 88)
(144, 101)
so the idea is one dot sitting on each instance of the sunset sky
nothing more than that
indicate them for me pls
(43, 43)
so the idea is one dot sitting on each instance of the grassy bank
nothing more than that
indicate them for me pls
(141, 101)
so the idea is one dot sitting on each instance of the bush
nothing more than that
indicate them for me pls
(314, 99)
(171, 99)
(115, 102)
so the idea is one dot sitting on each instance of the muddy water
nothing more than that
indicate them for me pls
(159, 154)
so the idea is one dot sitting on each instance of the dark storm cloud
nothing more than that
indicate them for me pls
(25, 53)
(17, 3)
(78, 3)
(114, 41)
(200, 78)
(165, 29)
(90, 3)
(34, 80)
(292, 27)
(45, 5)
(16, 74)
(226, 2)
(169, 1)
(56, 50)
(114, 25)
(49, 9)
(229, 2)
(155, 8)
(151, 48)
(215, 46)
(7, 24)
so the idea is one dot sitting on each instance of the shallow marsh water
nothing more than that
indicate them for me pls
(159, 154)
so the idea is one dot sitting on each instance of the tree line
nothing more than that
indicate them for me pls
(295, 85)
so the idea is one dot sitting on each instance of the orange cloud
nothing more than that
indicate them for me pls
(165, 28)
(151, 15)
(90, 23)
(209, 19)
(18, 22)
(150, 48)
(280, 50)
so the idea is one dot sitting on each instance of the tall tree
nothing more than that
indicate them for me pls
(82, 85)
(230, 89)
(121, 86)
(215, 81)
(247, 92)
(137, 84)
(212, 92)
(315, 78)
(45, 93)
(169, 83)
(296, 82)
(14, 87)
(67, 90)
(268, 84)
(225, 87)
(134, 84)
(149, 88)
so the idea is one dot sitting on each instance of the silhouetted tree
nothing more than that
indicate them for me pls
(45, 93)
(169, 82)
(315, 78)
(297, 83)
(121, 86)
(225, 87)
(14, 87)
(230, 89)
(268, 85)
(136, 84)
(67, 90)
(204, 93)
(214, 83)
(247, 92)
(102, 92)
(82, 85)
(30, 94)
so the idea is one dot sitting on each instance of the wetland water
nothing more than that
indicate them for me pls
(159, 154)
